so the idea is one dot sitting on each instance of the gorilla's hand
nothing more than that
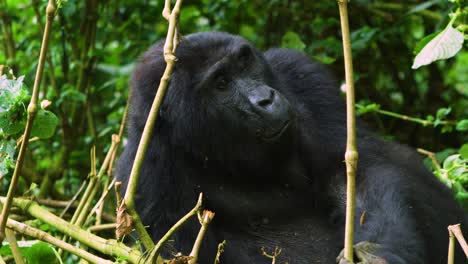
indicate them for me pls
(364, 253)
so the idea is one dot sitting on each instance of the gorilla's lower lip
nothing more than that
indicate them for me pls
(278, 133)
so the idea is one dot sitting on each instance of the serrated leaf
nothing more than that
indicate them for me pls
(443, 46)
(44, 124)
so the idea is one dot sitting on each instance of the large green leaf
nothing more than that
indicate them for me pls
(443, 46)
(44, 124)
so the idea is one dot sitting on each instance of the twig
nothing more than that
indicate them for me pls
(41, 235)
(102, 227)
(169, 57)
(205, 221)
(420, 121)
(32, 109)
(219, 252)
(73, 200)
(118, 139)
(155, 251)
(273, 257)
(100, 201)
(432, 157)
(15, 250)
(455, 230)
(351, 155)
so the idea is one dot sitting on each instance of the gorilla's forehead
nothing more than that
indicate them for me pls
(206, 49)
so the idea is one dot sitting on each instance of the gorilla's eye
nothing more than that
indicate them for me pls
(221, 82)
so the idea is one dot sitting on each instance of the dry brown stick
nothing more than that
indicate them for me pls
(456, 231)
(32, 110)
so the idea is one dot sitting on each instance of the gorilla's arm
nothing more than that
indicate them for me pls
(384, 215)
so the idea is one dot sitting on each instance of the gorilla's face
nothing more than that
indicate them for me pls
(239, 87)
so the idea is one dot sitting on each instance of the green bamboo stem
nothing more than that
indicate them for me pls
(109, 247)
(451, 248)
(15, 250)
(351, 155)
(41, 235)
(32, 110)
(169, 48)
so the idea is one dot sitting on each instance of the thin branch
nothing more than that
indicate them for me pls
(100, 201)
(118, 139)
(420, 121)
(170, 59)
(205, 221)
(273, 256)
(432, 157)
(102, 227)
(155, 251)
(73, 200)
(41, 235)
(451, 249)
(219, 252)
(32, 109)
(351, 155)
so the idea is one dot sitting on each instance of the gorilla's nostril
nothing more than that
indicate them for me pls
(267, 101)
(264, 102)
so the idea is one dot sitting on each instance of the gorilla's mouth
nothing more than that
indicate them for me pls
(276, 134)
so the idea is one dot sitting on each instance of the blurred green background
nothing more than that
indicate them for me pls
(95, 44)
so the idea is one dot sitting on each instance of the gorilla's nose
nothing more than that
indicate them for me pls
(269, 104)
(262, 97)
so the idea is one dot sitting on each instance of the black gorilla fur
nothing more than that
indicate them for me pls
(262, 135)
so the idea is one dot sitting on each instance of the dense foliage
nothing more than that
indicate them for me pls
(95, 43)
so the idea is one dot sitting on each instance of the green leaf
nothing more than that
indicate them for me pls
(443, 46)
(293, 41)
(443, 112)
(464, 151)
(44, 124)
(462, 125)
(40, 253)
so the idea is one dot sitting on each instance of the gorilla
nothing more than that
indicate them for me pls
(262, 136)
